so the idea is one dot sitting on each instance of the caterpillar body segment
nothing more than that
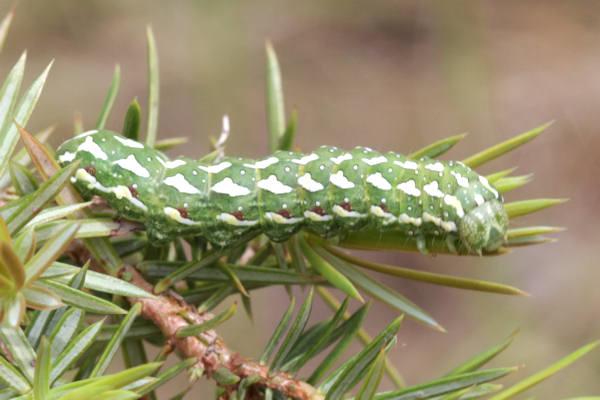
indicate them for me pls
(329, 192)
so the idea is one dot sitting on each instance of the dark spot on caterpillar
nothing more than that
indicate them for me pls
(239, 215)
(384, 207)
(133, 191)
(285, 214)
(90, 170)
(318, 210)
(346, 206)
(183, 212)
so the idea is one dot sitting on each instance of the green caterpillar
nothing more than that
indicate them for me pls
(327, 192)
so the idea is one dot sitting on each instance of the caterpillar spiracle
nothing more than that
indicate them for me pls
(328, 192)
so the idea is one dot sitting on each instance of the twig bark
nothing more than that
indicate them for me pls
(208, 348)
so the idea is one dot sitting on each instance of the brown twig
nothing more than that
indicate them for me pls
(208, 348)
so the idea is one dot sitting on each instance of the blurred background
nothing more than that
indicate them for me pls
(394, 76)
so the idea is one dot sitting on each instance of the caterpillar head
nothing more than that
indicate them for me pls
(484, 228)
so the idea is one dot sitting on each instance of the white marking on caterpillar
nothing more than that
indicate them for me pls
(262, 164)
(120, 191)
(409, 188)
(339, 180)
(431, 218)
(229, 187)
(437, 167)
(179, 182)
(280, 219)
(171, 164)
(478, 199)
(343, 157)
(407, 164)
(375, 160)
(405, 218)
(215, 169)
(461, 180)
(432, 189)
(129, 142)
(66, 157)
(379, 212)
(84, 176)
(231, 220)
(313, 216)
(342, 212)
(454, 202)
(174, 214)
(487, 185)
(131, 164)
(379, 181)
(448, 226)
(274, 185)
(87, 133)
(308, 183)
(306, 159)
(91, 147)
(123, 192)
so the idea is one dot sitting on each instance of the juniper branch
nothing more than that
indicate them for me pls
(211, 353)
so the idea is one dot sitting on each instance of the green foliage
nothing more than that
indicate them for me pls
(63, 323)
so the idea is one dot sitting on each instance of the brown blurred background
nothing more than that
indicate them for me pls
(394, 76)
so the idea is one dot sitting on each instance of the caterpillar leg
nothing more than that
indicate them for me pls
(451, 243)
(422, 245)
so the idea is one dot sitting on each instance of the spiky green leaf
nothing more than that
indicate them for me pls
(112, 346)
(110, 98)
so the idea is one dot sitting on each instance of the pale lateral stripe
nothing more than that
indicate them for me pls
(313, 216)
(84, 176)
(174, 214)
(379, 181)
(215, 169)
(308, 183)
(437, 167)
(375, 160)
(338, 160)
(231, 220)
(378, 211)
(91, 147)
(407, 164)
(280, 219)
(339, 180)
(262, 164)
(406, 219)
(306, 159)
(120, 191)
(230, 188)
(409, 188)
(342, 212)
(123, 192)
(129, 142)
(182, 185)
(273, 185)
(432, 189)
(131, 164)
(431, 218)
(448, 226)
